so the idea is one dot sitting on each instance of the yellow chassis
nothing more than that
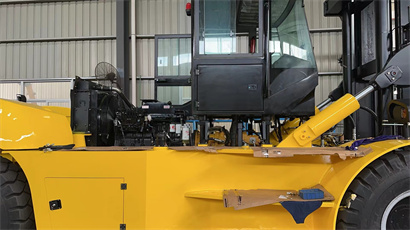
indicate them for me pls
(165, 189)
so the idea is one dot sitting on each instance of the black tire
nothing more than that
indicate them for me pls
(375, 188)
(16, 208)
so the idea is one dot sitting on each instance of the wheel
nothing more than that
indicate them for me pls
(382, 193)
(16, 208)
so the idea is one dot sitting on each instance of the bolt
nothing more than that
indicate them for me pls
(265, 153)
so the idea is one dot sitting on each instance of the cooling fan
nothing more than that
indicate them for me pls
(107, 75)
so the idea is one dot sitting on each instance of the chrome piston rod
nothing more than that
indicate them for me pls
(364, 92)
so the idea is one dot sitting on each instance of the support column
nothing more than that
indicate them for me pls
(347, 70)
(123, 44)
(383, 49)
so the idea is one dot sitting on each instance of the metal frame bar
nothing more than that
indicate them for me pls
(146, 36)
(397, 24)
(22, 88)
(49, 100)
(330, 73)
(15, 2)
(347, 71)
(383, 44)
(44, 80)
(123, 44)
(361, 72)
(325, 30)
(62, 39)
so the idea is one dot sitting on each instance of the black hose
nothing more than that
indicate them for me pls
(371, 112)
(384, 109)
(374, 115)
(51, 147)
(278, 130)
(352, 120)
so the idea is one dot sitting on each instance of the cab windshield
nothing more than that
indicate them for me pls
(289, 40)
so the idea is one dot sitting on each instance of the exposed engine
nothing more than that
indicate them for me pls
(111, 120)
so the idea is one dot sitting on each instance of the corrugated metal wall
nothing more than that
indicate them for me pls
(327, 47)
(97, 18)
(79, 19)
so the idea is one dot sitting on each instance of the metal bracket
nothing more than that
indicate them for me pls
(388, 77)
(123, 226)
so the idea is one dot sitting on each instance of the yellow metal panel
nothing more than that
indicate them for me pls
(61, 110)
(38, 166)
(87, 203)
(24, 125)
(188, 171)
(159, 179)
(79, 139)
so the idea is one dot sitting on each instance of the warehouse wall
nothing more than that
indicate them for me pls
(85, 19)
(327, 47)
(78, 19)
(33, 45)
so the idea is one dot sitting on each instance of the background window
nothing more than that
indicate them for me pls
(173, 67)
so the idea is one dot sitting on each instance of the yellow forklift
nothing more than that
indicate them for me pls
(106, 164)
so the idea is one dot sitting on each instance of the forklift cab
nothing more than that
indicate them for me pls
(248, 58)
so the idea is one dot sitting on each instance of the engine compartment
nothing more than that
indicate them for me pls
(111, 120)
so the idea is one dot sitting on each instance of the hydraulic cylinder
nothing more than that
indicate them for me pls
(321, 122)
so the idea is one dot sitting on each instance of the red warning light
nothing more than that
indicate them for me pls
(188, 9)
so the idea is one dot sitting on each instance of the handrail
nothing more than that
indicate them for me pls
(47, 101)
(40, 80)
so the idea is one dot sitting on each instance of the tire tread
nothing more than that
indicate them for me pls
(15, 193)
(376, 173)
